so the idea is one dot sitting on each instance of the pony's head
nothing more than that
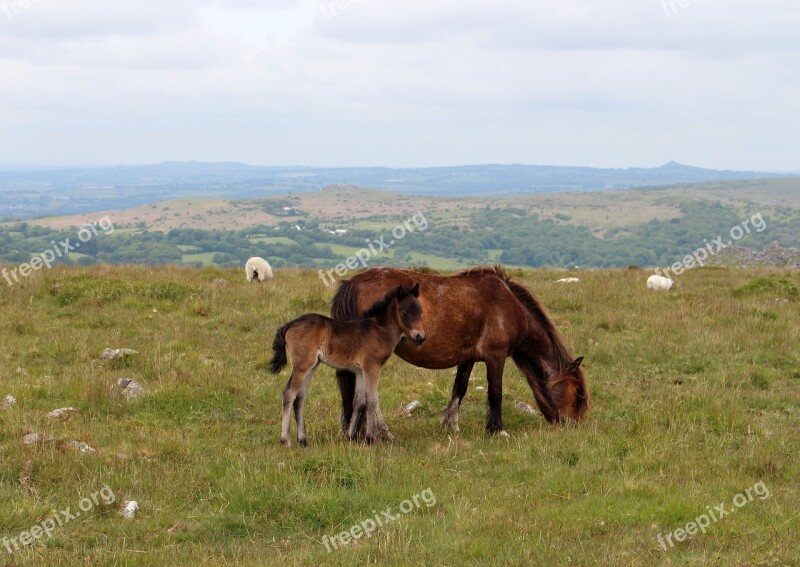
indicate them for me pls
(568, 392)
(409, 313)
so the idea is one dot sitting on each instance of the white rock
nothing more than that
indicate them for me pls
(524, 408)
(8, 401)
(62, 413)
(568, 280)
(113, 354)
(34, 438)
(409, 408)
(131, 389)
(21, 371)
(129, 509)
(82, 447)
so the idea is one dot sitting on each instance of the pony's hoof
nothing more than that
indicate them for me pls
(286, 443)
(387, 435)
(302, 442)
(503, 433)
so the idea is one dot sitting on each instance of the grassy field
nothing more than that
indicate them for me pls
(696, 399)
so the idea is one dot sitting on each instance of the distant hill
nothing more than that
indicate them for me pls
(45, 192)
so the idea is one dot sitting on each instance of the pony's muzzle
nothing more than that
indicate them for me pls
(418, 337)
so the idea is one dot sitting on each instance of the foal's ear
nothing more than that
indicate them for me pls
(577, 363)
(400, 292)
(415, 290)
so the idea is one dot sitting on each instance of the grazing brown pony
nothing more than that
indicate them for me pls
(361, 347)
(478, 315)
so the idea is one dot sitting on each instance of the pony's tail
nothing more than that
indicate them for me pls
(536, 380)
(279, 350)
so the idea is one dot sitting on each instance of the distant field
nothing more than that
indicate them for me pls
(695, 400)
(359, 208)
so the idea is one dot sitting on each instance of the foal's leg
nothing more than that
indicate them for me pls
(494, 375)
(374, 417)
(301, 369)
(450, 414)
(299, 406)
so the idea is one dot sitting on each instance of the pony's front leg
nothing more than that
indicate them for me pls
(494, 375)
(450, 414)
(359, 404)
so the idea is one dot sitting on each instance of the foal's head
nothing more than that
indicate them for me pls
(402, 306)
(409, 313)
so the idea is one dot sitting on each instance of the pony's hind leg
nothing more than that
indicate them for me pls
(359, 404)
(450, 414)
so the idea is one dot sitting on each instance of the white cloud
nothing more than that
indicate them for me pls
(413, 83)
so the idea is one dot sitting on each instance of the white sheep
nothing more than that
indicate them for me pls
(659, 283)
(258, 269)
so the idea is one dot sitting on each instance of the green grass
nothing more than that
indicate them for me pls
(696, 396)
(207, 258)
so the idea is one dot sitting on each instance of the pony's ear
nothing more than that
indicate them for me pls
(577, 363)
(401, 292)
(415, 290)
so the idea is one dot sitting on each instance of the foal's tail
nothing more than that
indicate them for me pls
(279, 350)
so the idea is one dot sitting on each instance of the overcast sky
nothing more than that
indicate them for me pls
(617, 83)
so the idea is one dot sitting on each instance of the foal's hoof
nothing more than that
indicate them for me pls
(503, 433)
(286, 442)
(302, 442)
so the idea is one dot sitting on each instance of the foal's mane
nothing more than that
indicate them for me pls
(379, 307)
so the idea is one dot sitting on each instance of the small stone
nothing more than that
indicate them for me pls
(219, 283)
(62, 414)
(479, 388)
(113, 354)
(129, 509)
(568, 280)
(409, 408)
(21, 371)
(34, 438)
(130, 389)
(8, 401)
(524, 408)
(82, 447)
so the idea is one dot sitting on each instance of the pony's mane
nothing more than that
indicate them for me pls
(379, 307)
(563, 358)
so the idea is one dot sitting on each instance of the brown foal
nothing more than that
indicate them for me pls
(361, 346)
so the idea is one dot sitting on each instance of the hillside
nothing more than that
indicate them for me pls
(27, 194)
(695, 400)
(645, 227)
